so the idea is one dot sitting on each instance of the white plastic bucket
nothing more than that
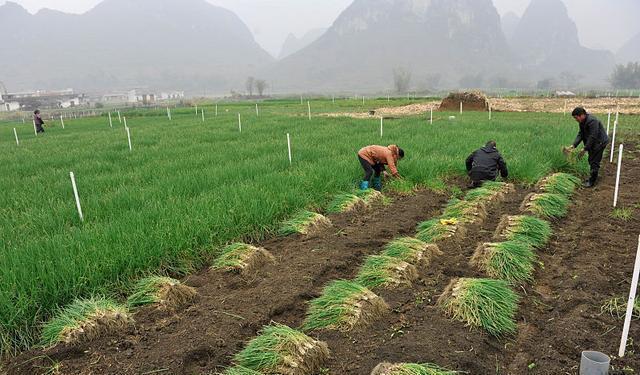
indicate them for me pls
(594, 363)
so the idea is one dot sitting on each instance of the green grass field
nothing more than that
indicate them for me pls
(190, 187)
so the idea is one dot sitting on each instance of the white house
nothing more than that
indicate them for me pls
(171, 95)
(73, 102)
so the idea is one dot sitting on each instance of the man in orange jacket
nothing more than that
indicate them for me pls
(373, 160)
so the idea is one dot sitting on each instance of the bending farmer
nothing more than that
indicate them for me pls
(484, 165)
(373, 160)
(595, 140)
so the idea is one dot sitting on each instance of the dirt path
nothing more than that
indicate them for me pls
(626, 106)
(231, 310)
(417, 330)
(589, 260)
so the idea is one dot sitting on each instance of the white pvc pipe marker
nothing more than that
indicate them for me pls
(431, 118)
(289, 147)
(125, 123)
(239, 123)
(62, 121)
(630, 303)
(309, 108)
(34, 128)
(615, 197)
(613, 140)
(169, 113)
(202, 110)
(16, 134)
(119, 118)
(216, 110)
(460, 107)
(129, 139)
(257, 110)
(75, 194)
(608, 123)
(110, 121)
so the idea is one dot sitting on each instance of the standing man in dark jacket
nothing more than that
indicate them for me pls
(484, 165)
(38, 121)
(595, 140)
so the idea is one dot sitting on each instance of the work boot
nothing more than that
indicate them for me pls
(591, 182)
(364, 185)
(377, 183)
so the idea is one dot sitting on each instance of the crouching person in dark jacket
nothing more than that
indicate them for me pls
(485, 164)
(595, 140)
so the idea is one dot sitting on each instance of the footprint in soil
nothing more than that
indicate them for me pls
(198, 359)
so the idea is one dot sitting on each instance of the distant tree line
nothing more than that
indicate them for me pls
(626, 76)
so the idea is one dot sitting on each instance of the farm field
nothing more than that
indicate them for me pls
(187, 188)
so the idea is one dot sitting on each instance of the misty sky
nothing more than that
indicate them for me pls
(601, 23)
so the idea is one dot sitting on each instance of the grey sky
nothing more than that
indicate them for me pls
(601, 23)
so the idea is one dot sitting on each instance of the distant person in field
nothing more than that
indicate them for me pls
(374, 159)
(37, 118)
(484, 165)
(595, 140)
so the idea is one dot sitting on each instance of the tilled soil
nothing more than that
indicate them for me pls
(589, 260)
(232, 309)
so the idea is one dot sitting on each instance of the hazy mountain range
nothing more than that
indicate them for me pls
(294, 44)
(193, 45)
(122, 43)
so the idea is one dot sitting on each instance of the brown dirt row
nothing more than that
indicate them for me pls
(418, 331)
(588, 261)
(232, 309)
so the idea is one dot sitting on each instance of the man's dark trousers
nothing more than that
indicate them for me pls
(595, 158)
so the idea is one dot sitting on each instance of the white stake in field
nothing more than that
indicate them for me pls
(169, 113)
(110, 121)
(460, 107)
(630, 304)
(216, 110)
(608, 122)
(239, 123)
(257, 110)
(197, 110)
(289, 147)
(129, 139)
(309, 109)
(76, 196)
(431, 116)
(202, 110)
(16, 134)
(489, 111)
(615, 196)
(35, 131)
(119, 118)
(613, 140)
(62, 121)
(125, 123)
